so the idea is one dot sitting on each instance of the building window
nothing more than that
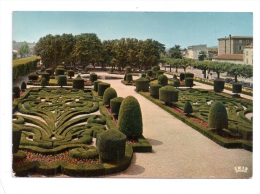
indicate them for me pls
(240, 41)
(246, 53)
(239, 48)
(247, 41)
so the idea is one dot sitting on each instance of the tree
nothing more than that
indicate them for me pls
(188, 108)
(218, 67)
(247, 71)
(175, 52)
(234, 70)
(202, 56)
(24, 50)
(204, 66)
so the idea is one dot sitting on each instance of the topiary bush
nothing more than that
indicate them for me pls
(189, 82)
(218, 118)
(59, 71)
(23, 86)
(162, 79)
(16, 91)
(168, 94)
(176, 83)
(70, 73)
(188, 108)
(182, 76)
(129, 77)
(109, 94)
(93, 77)
(188, 74)
(154, 90)
(44, 82)
(62, 80)
(128, 70)
(86, 152)
(111, 145)
(159, 72)
(115, 104)
(219, 85)
(102, 87)
(150, 73)
(33, 76)
(156, 68)
(46, 76)
(78, 83)
(16, 137)
(175, 76)
(142, 84)
(237, 88)
(130, 117)
(96, 85)
(49, 70)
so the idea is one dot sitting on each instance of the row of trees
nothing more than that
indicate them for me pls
(87, 48)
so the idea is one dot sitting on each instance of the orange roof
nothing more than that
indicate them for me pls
(230, 57)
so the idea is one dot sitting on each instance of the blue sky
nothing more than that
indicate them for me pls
(169, 28)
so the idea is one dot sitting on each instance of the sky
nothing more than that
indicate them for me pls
(169, 28)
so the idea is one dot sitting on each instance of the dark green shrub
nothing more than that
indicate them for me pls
(86, 152)
(219, 85)
(189, 82)
(176, 83)
(181, 76)
(93, 77)
(42, 69)
(237, 88)
(16, 91)
(142, 84)
(159, 72)
(129, 77)
(218, 118)
(102, 87)
(130, 117)
(16, 137)
(128, 70)
(150, 73)
(96, 85)
(168, 94)
(23, 86)
(115, 104)
(143, 75)
(188, 74)
(62, 80)
(44, 82)
(156, 68)
(162, 79)
(70, 73)
(175, 76)
(188, 108)
(49, 70)
(109, 94)
(33, 76)
(154, 90)
(59, 71)
(78, 83)
(111, 145)
(46, 76)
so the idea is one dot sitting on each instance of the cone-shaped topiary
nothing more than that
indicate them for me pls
(142, 84)
(96, 85)
(70, 73)
(168, 94)
(44, 82)
(111, 145)
(219, 85)
(115, 104)
(237, 88)
(78, 83)
(130, 117)
(188, 108)
(162, 79)
(109, 94)
(189, 82)
(93, 77)
(218, 118)
(23, 86)
(16, 91)
(62, 80)
(102, 87)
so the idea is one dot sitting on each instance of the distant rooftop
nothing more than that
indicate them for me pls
(236, 37)
(230, 56)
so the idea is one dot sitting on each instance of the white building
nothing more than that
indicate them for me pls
(193, 51)
(248, 55)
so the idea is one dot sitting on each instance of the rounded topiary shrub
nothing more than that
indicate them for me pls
(109, 94)
(49, 70)
(78, 83)
(219, 85)
(150, 73)
(59, 71)
(115, 104)
(23, 86)
(176, 83)
(46, 76)
(62, 80)
(181, 76)
(96, 85)
(142, 84)
(93, 77)
(111, 145)
(159, 72)
(189, 82)
(162, 80)
(188, 74)
(218, 118)
(16, 91)
(168, 94)
(128, 70)
(130, 117)
(129, 77)
(154, 90)
(71, 73)
(44, 82)
(237, 88)
(156, 68)
(188, 108)
(102, 87)
(33, 76)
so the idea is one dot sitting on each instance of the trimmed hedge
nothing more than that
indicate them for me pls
(59, 71)
(218, 118)
(182, 76)
(176, 83)
(237, 88)
(142, 84)
(23, 86)
(188, 108)
(130, 117)
(33, 76)
(168, 94)
(102, 87)
(70, 73)
(189, 82)
(78, 83)
(86, 152)
(109, 94)
(159, 72)
(96, 85)
(93, 77)
(219, 85)
(62, 80)
(188, 74)
(16, 91)
(162, 79)
(44, 82)
(115, 104)
(154, 90)
(24, 65)
(150, 73)
(128, 70)
(50, 71)
(129, 77)
(46, 76)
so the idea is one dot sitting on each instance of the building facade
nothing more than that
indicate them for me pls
(248, 55)
(192, 52)
(233, 44)
(229, 58)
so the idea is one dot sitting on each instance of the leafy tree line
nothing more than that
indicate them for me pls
(87, 48)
